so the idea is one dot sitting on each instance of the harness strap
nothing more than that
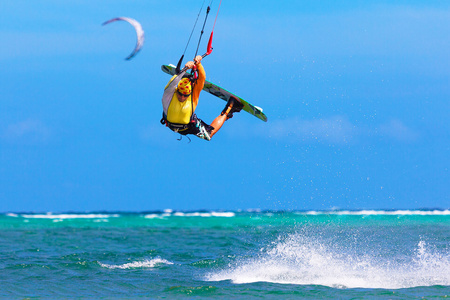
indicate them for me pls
(180, 128)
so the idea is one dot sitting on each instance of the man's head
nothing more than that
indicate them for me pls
(184, 89)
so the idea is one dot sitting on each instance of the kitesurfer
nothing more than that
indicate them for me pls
(180, 100)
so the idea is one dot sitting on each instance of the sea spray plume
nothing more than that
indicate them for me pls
(431, 266)
(306, 259)
(298, 259)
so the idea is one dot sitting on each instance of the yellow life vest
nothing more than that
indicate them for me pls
(179, 112)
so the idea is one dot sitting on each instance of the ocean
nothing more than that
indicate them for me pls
(226, 254)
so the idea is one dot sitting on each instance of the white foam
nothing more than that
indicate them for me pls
(308, 261)
(192, 214)
(157, 216)
(223, 214)
(139, 264)
(68, 216)
(382, 212)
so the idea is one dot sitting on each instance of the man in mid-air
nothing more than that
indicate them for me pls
(180, 100)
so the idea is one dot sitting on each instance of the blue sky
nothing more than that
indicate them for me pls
(356, 92)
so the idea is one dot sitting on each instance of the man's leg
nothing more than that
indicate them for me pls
(226, 114)
(217, 123)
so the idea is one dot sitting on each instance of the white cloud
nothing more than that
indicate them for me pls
(333, 130)
(336, 130)
(395, 129)
(28, 131)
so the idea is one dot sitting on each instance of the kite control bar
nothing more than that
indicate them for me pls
(208, 52)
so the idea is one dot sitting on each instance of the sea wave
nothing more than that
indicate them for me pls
(306, 260)
(227, 214)
(382, 212)
(191, 214)
(152, 263)
(66, 216)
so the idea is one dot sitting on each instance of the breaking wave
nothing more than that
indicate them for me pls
(170, 213)
(152, 263)
(383, 212)
(65, 216)
(303, 260)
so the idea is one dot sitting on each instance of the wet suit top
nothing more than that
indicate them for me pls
(181, 112)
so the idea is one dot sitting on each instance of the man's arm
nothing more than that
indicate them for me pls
(198, 86)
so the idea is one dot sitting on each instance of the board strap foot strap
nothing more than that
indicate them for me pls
(236, 106)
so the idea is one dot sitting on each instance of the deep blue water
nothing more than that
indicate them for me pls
(315, 255)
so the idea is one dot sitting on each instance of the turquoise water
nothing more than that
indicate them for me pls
(242, 255)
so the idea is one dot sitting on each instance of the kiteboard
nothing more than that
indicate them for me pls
(222, 94)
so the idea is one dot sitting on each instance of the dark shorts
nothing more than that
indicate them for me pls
(197, 127)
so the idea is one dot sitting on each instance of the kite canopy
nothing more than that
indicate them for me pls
(139, 33)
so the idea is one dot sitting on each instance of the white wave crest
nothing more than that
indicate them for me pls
(308, 261)
(68, 216)
(382, 212)
(205, 214)
(139, 264)
(191, 214)
(157, 216)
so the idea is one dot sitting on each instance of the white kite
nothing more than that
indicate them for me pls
(139, 33)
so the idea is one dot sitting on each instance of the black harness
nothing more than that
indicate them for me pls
(180, 128)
